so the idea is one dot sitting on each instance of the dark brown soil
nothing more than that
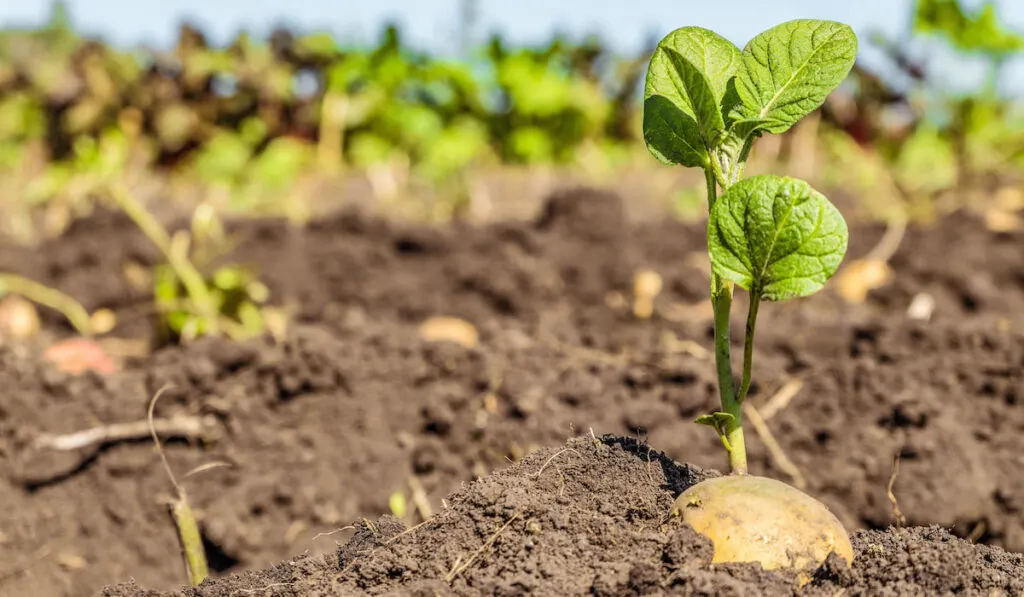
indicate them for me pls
(589, 519)
(322, 428)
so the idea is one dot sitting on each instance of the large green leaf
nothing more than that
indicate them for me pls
(717, 58)
(776, 237)
(790, 69)
(689, 71)
(671, 135)
(706, 107)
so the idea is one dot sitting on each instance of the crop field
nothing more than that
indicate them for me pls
(430, 330)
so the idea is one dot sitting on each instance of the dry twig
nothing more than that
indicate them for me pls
(419, 498)
(179, 426)
(459, 569)
(781, 398)
(553, 456)
(778, 454)
(329, 533)
(896, 513)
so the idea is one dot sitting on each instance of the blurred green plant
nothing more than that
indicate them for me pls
(251, 122)
(927, 139)
(982, 32)
(250, 118)
(194, 295)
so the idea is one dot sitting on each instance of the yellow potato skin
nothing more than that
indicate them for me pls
(758, 519)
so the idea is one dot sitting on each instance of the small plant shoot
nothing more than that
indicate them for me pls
(705, 104)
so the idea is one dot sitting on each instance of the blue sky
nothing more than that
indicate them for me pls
(625, 23)
(431, 24)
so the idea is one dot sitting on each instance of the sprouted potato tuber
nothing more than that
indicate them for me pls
(705, 103)
(757, 519)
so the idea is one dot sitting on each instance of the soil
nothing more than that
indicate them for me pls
(589, 519)
(320, 429)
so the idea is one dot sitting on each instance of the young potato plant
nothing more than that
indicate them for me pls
(195, 296)
(706, 102)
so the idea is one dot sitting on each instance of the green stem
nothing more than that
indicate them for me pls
(711, 180)
(48, 297)
(191, 541)
(736, 168)
(721, 301)
(190, 277)
(748, 344)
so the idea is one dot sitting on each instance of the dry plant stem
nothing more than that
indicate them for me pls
(553, 456)
(48, 297)
(891, 239)
(202, 468)
(897, 514)
(721, 300)
(457, 570)
(419, 498)
(781, 398)
(334, 532)
(778, 454)
(194, 554)
(191, 427)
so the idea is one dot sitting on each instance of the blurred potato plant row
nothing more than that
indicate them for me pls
(246, 121)
(256, 114)
(933, 142)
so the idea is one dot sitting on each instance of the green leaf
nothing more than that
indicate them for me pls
(713, 56)
(702, 101)
(776, 237)
(718, 420)
(790, 69)
(690, 72)
(671, 135)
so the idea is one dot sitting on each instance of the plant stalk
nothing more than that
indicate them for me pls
(190, 277)
(191, 540)
(332, 131)
(721, 301)
(748, 345)
(48, 297)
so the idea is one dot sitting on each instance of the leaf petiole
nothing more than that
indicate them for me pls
(748, 344)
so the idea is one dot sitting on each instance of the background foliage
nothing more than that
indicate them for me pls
(249, 119)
